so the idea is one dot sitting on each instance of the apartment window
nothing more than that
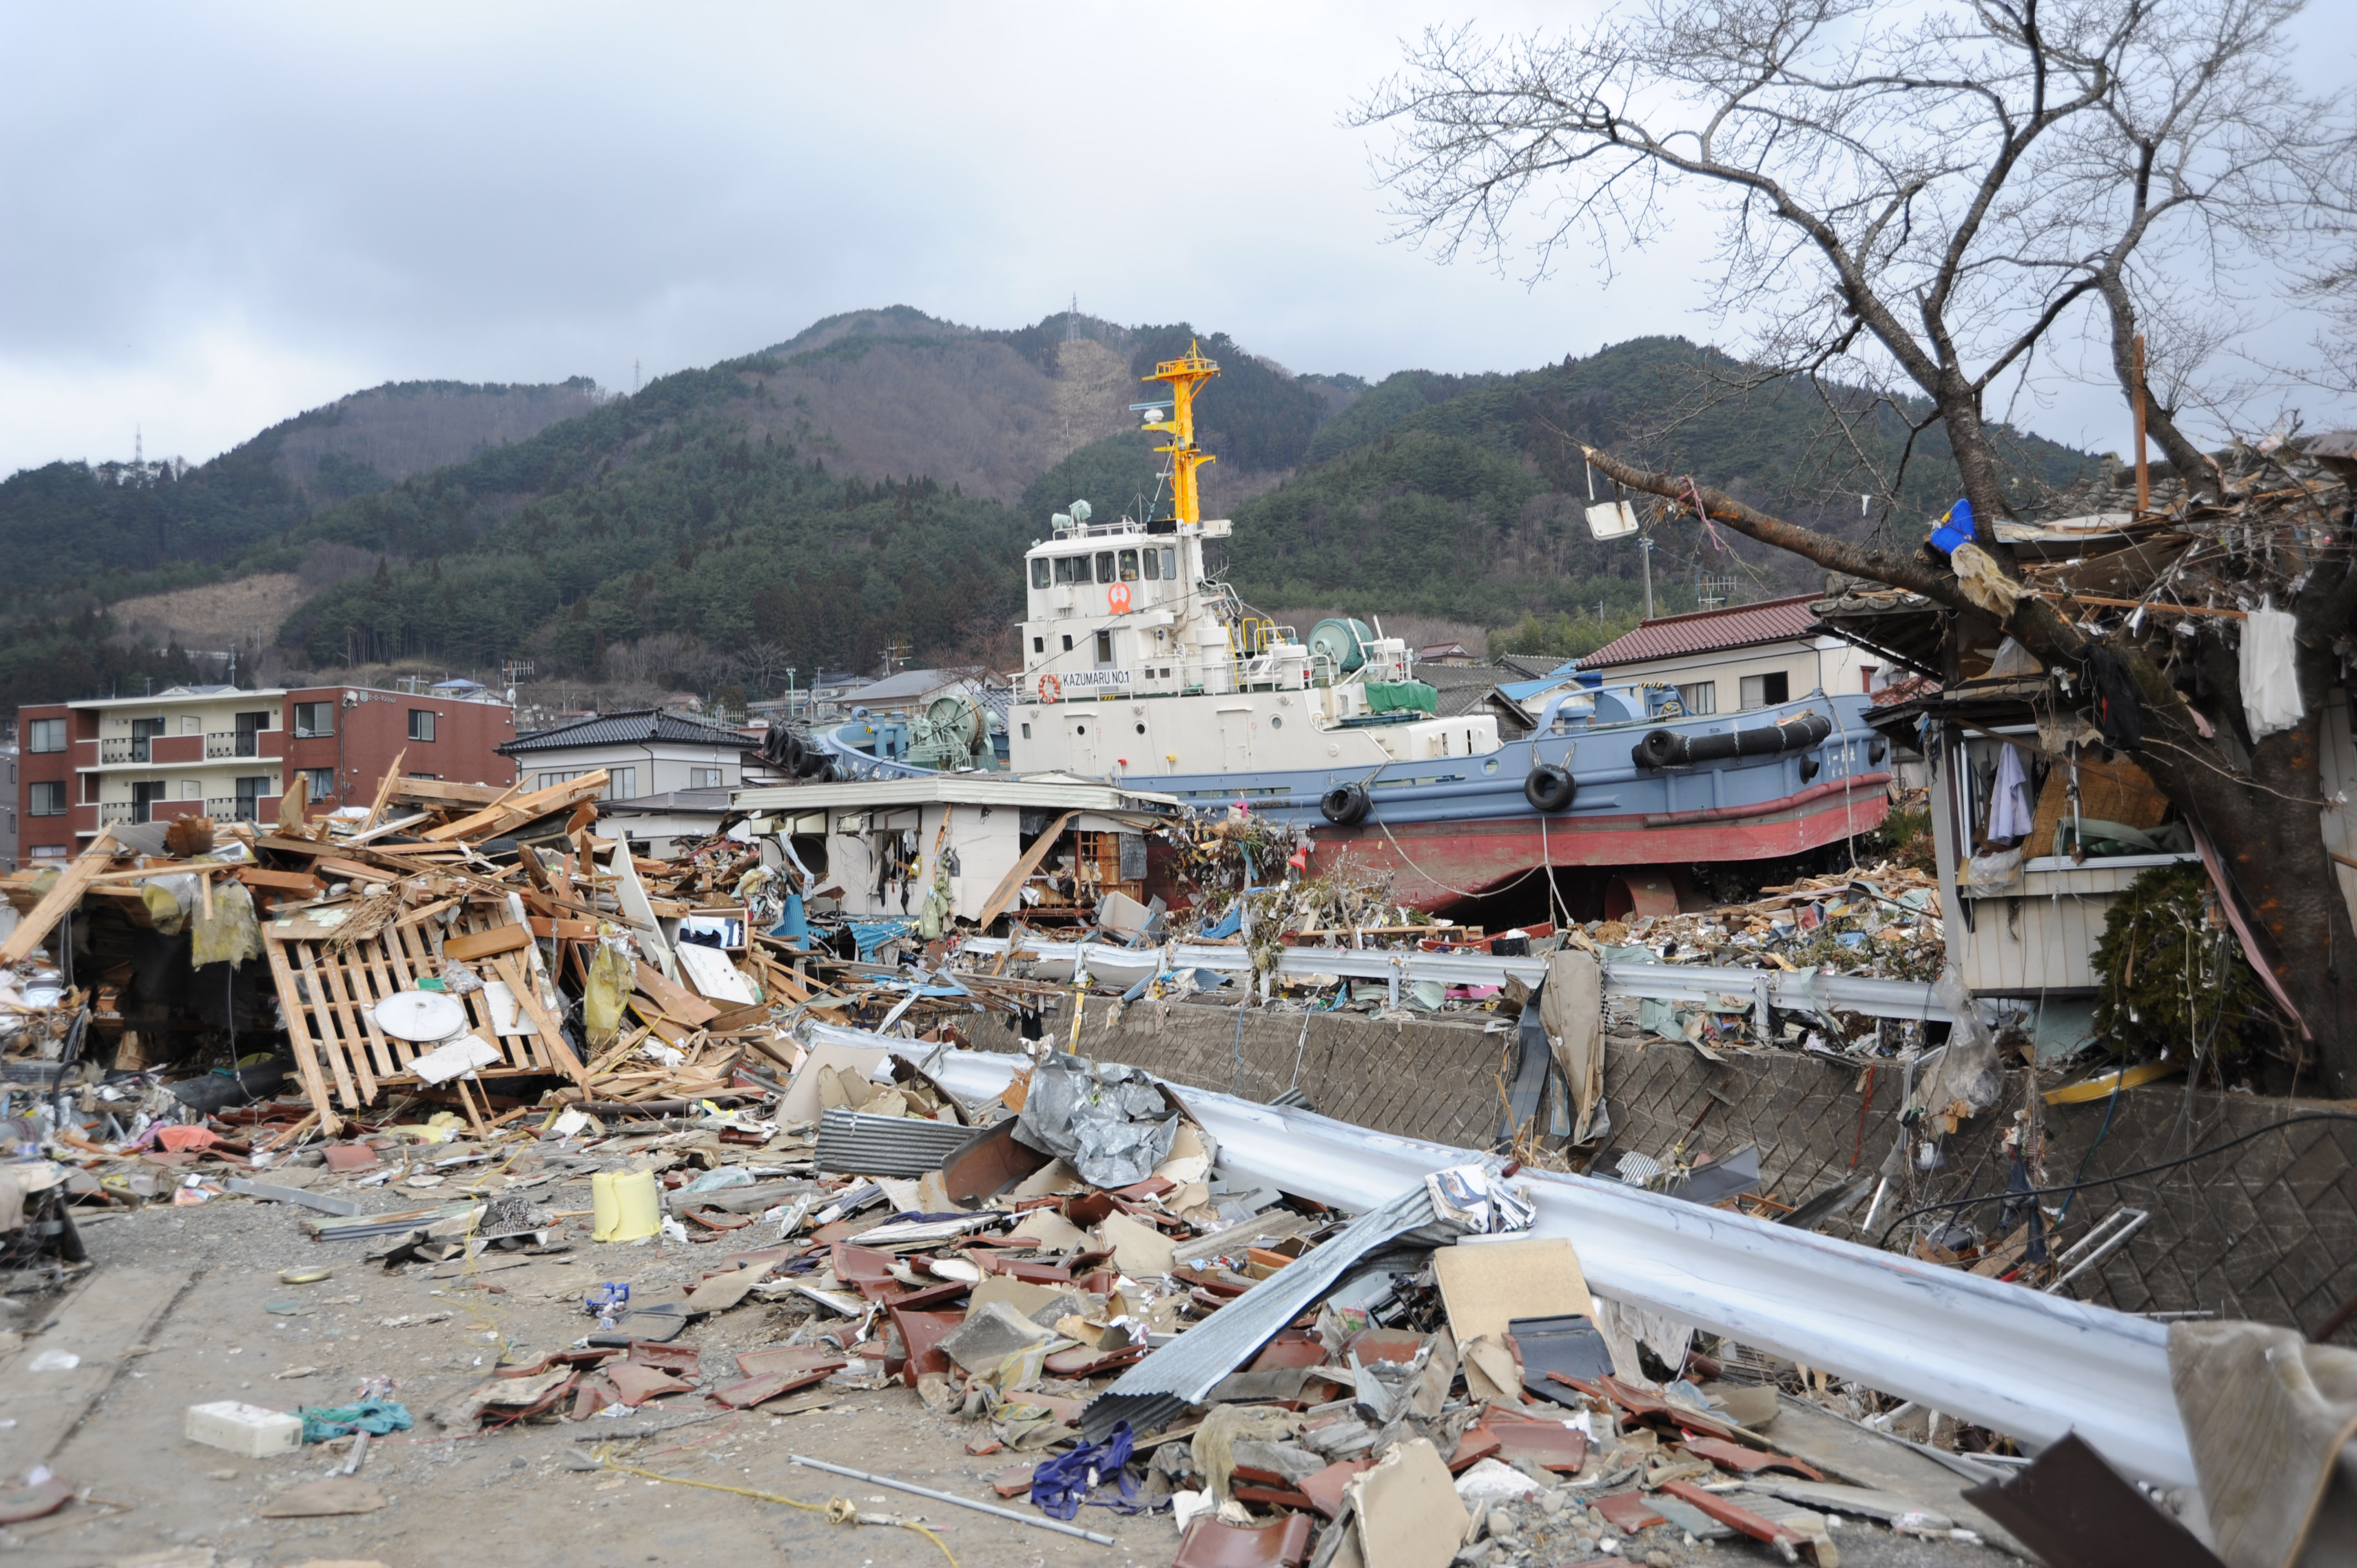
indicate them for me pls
(1104, 647)
(1865, 674)
(49, 800)
(703, 779)
(425, 775)
(142, 734)
(549, 779)
(144, 800)
(1039, 572)
(48, 852)
(319, 783)
(250, 791)
(46, 735)
(314, 718)
(1767, 690)
(1702, 697)
(421, 723)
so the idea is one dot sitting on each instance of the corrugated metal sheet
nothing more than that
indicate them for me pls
(1706, 631)
(885, 1146)
(1183, 1371)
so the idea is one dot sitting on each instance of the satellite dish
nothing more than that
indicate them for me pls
(1613, 519)
(421, 1016)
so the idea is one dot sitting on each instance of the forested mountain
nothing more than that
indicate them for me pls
(876, 479)
(80, 536)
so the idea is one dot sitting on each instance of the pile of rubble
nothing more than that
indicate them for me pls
(1073, 1277)
(547, 1047)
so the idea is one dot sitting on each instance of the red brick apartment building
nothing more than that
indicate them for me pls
(230, 755)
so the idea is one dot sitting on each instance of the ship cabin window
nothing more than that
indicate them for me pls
(1039, 645)
(1129, 566)
(1104, 647)
(1170, 562)
(1153, 564)
(1040, 571)
(1105, 565)
(1065, 572)
(1068, 642)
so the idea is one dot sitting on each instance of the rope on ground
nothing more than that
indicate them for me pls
(836, 1511)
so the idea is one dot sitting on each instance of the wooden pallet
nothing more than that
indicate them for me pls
(329, 1000)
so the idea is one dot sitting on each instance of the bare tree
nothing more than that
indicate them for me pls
(761, 667)
(1930, 201)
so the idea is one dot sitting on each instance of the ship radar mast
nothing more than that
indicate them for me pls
(1182, 374)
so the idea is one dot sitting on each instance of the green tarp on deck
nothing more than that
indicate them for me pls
(1403, 697)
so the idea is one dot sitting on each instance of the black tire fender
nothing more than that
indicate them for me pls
(1548, 789)
(1344, 805)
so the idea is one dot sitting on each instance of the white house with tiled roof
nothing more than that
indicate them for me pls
(1740, 656)
(644, 752)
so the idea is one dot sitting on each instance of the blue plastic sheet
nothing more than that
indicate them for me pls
(1954, 528)
(1060, 1486)
(873, 934)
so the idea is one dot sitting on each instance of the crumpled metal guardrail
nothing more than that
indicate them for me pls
(2020, 1361)
(2017, 1361)
(1794, 990)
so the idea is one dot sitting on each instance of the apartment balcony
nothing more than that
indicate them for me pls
(231, 743)
(112, 812)
(234, 809)
(123, 750)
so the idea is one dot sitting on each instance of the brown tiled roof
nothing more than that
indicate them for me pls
(1704, 631)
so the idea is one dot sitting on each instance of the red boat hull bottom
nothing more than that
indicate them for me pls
(1434, 865)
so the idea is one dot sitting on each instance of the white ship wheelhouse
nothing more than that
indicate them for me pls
(1120, 614)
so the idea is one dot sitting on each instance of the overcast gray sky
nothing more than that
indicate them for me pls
(214, 217)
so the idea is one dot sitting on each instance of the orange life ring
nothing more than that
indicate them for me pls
(1118, 597)
(1050, 688)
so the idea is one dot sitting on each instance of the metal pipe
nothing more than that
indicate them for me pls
(2112, 1243)
(1058, 1526)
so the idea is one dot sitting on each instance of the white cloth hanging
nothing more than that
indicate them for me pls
(2009, 813)
(2270, 671)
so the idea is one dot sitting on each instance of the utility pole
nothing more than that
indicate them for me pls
(634, 377)
(1645, 554)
